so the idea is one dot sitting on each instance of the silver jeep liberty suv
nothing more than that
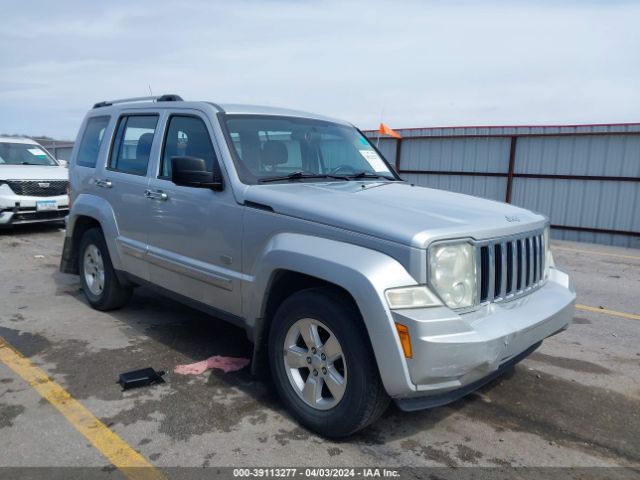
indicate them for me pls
(355, 287)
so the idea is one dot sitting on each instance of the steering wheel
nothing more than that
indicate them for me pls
(343, 169)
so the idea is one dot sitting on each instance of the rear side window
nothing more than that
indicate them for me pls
(91, 141)
(186, 136)
(132, 145)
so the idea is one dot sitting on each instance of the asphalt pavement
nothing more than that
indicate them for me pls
(574, 403)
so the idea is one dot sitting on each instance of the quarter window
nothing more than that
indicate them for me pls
(91, 141)
(132, 145)
(186, 136)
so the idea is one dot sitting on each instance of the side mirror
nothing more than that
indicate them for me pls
(192, 172)
(63, 163)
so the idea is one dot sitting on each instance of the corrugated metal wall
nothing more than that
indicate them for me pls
(59, 150)
(586, 178)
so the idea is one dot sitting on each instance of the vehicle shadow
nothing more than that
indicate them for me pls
(177, 334)
(165, 333)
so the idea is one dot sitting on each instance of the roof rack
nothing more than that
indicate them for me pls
(161, 98)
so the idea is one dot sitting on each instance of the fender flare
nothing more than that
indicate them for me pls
(362, 272)
(100, 210)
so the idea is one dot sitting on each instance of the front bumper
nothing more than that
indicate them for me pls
(452, 352)
(411, 404)
(19, 209)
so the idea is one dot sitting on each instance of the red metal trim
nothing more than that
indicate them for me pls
(596, 230)
(578, 125)
(509, 135)
(398, 152)
(524, 175)
(448, 172)
(512, 164)
(603, 178)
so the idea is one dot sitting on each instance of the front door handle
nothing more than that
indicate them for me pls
(156, 195)
(103, 183)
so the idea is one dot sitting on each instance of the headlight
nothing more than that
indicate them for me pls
(411, 297)
(452, 271)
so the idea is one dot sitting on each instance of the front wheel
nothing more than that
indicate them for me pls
(101, 286)
(323, 365)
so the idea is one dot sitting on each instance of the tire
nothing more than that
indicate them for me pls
(101, 286)
(347, 406)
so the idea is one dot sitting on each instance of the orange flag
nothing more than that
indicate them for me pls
(384, 130)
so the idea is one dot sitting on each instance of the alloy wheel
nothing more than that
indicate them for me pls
(93, 270)
(315, 363)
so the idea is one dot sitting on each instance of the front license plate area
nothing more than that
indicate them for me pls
(46, 205)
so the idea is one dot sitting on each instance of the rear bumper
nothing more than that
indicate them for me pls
(455, 354)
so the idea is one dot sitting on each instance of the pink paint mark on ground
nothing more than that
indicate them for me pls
(226, 364)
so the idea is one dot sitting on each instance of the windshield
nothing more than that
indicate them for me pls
(24, 154)
(274, 148)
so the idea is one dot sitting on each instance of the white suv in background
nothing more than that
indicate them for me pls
(33, 184)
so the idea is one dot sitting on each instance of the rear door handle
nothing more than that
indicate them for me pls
(100, 182)
(156, 195)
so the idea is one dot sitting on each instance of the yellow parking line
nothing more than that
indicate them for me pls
(595, 252)
(133, 465)
(587, 308)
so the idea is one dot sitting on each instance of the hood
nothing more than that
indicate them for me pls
(397, 212)
(33, 172)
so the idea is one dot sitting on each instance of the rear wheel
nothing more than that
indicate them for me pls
(323, 365)
(101, 286)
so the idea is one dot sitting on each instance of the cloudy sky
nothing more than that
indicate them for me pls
(413, 63)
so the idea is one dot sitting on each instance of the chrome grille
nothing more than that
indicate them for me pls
(38, 188)
(509, 267)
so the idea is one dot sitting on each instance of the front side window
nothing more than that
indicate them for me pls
(186, 137)
(132, 145)
(268, 147)
(24, 154)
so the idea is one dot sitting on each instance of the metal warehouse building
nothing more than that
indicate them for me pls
(59, 149)
(586, 178)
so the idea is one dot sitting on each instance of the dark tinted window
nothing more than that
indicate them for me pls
(91, 141)
(132, 145)
(186, 136)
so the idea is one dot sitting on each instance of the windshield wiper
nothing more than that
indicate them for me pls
(301, 175)
(370, 175)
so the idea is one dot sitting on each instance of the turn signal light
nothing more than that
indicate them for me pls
(405, 340)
